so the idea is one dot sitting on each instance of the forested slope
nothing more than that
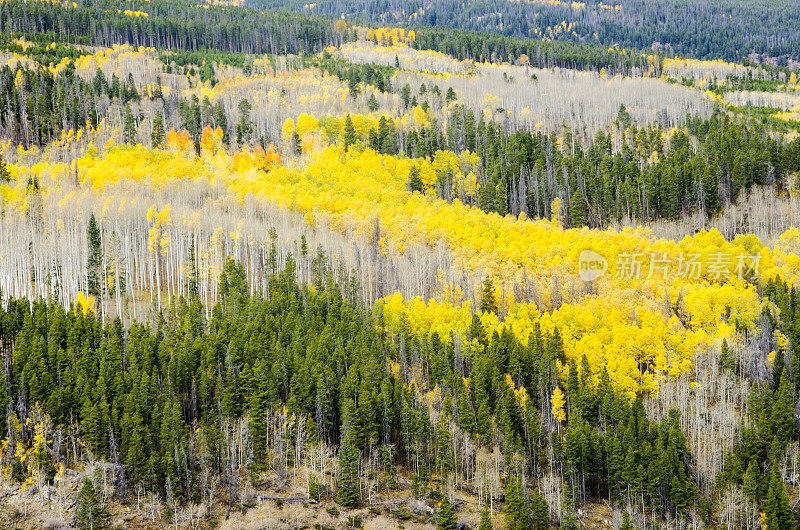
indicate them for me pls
(259, 266)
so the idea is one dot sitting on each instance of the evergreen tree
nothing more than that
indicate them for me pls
(446, 517)
(349, 132)
(297, 144)
(783, 411)
(444, 453)
(244, 129)
(577, 210)
(486, 520)
(777, 508)
(711, 192)
(372, 104)
(626, 521)
(753, 479)
(157, 135)
(129, 126)
(488, 300)
(5, 175)
(95, 261)
(540, 513)
(88, 513)
(414, 182)
(516, 510)
(728, 362)
(348, 488)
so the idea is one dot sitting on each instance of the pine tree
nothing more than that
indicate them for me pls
(5, 176)
(466, 417)
(446, 517)
(157, 135)
(372, 104)
(577, 210)
(129, 127)
(486, 520)
(95, 260)
(728, 362)
(414, 182)
(626, 521)
(783, 411)
(405, 95)
(752, 481)
(349, 132)
(297, 144)
(194, 275)
(516, 510)
(540, 512)
(444, 453)
(258, 415)
(488, 300)
(710, 192)
(89, 514)
(348, 489)
(777, 508)
(245, 127)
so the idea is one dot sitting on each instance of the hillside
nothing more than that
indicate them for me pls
(292, 269)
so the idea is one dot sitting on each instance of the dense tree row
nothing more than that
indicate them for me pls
(170, 25)
(38, 105)
(160, 402)
(354, 74)
(718, 29)
(760, 455)
(488, 47)
(626, 172)
(44, 53)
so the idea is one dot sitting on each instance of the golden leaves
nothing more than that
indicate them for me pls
(85, 303)
(558, 405)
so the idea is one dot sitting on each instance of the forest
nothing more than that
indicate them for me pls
(719, 29)
(510, 265)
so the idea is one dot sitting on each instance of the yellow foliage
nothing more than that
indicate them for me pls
(84, 303)
(558, 405)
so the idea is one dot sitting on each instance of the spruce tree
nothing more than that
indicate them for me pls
(5, 176)
(89, 514)
(728, 362)
(516, 511)
(446, 517)
(129, 127)
(245, 126)
(95, 260)
(626, 521)
(348, 489)
(777, 508)
(372, 104)
(444, 454)
(414, 182)
(540, 512)
(753, 481)
(488, 300)
(783, 411)
(157, 135)
(349, 132)
(486, 520)
(577, 209)
(258, 415)
(297, 144)
(710, 192)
